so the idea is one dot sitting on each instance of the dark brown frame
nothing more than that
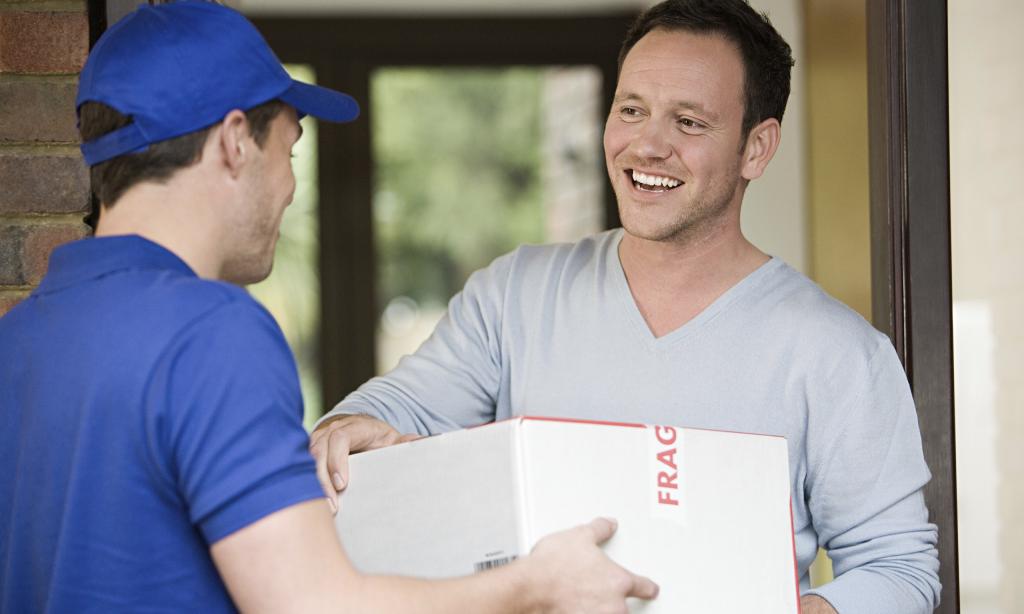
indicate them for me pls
(908, 99)
(344, 52)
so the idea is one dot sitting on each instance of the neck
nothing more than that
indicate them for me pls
(673, 281)
(178, 215)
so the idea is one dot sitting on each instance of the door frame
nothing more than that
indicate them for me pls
(908, 121)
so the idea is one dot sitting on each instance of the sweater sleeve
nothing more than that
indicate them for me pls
(866, 499)
(452, 380)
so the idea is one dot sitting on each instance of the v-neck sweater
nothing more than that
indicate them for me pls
(554, 331)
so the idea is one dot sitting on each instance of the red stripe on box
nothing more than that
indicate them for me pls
(696, 428)
(634, 425)
(576, 421)
(796, 571)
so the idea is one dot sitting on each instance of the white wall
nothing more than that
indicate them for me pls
(987, 224)
(775, 210)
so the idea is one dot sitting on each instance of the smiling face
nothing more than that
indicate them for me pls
(673, 140)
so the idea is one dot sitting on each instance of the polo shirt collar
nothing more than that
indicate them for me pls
(95, 257)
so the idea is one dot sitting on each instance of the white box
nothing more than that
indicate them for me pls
(706, 514)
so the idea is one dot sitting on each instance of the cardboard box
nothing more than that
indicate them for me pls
(706, 514)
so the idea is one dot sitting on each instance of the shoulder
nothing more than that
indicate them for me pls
(531, 271)
(217, 308)
(227, 365)
(582, 253)
(826, 345)
(232, 322)
(213, 335)
(533, 264)
(811, 319)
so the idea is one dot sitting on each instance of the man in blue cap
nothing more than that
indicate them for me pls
(150, 416)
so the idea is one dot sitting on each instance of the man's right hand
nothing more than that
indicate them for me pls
(568, 572)
(334, 440)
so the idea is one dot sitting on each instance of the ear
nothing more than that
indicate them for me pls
(235, 141)
(762, 142)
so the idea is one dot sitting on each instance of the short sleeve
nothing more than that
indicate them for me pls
(225, 421)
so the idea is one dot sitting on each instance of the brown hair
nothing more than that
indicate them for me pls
(111, 178)
(767, 58)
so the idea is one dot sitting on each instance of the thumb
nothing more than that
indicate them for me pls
(602, 529)
(643, 588)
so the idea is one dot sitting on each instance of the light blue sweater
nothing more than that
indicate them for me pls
(554, 331)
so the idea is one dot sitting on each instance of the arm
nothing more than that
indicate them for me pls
(453, 380)
(233, 448)
(864, 488)
(291, 561)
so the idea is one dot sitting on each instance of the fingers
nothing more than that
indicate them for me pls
(318, 447)
(333, 441)
(339, 445)
(601, 529)
(642, 587)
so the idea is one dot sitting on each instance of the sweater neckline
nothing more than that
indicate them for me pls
(697, 323)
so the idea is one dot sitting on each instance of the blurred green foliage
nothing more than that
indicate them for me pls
(292, 291)
(457, 183)
(458, 155)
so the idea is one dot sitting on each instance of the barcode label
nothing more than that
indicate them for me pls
(492, 563)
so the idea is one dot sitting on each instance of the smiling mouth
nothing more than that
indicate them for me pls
(652, 183)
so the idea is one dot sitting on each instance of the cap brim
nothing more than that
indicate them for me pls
(321, 102)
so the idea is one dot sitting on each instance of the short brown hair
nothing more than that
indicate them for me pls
(111, 178)
(767, 58)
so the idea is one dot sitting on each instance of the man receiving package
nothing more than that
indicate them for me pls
(677, 319)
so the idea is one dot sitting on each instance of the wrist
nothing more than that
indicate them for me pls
(526, 585)
(327, 420)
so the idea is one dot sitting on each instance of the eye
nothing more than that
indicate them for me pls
(630, 114)
(690, 125)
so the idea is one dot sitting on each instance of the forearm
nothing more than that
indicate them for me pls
(866, 495)
(453, 379)
(291, 561)
(501, 591)
(374, 399)
(433, 391)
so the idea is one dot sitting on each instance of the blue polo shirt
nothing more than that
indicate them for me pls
(145, 414)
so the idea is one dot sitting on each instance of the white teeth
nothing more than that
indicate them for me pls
(655, 180)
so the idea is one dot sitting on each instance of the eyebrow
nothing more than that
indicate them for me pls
(679, 104)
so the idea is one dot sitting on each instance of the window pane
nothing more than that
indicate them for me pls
(292, 291)
(471, 163)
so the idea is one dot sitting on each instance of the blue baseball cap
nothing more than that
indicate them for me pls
(180, 67)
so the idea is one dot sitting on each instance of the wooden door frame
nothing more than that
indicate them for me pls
(908, 100)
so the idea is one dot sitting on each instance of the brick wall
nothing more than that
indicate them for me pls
(44, 185)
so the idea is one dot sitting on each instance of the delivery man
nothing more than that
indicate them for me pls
(152, 456)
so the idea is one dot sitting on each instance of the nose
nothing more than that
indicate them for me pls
(651, 143)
